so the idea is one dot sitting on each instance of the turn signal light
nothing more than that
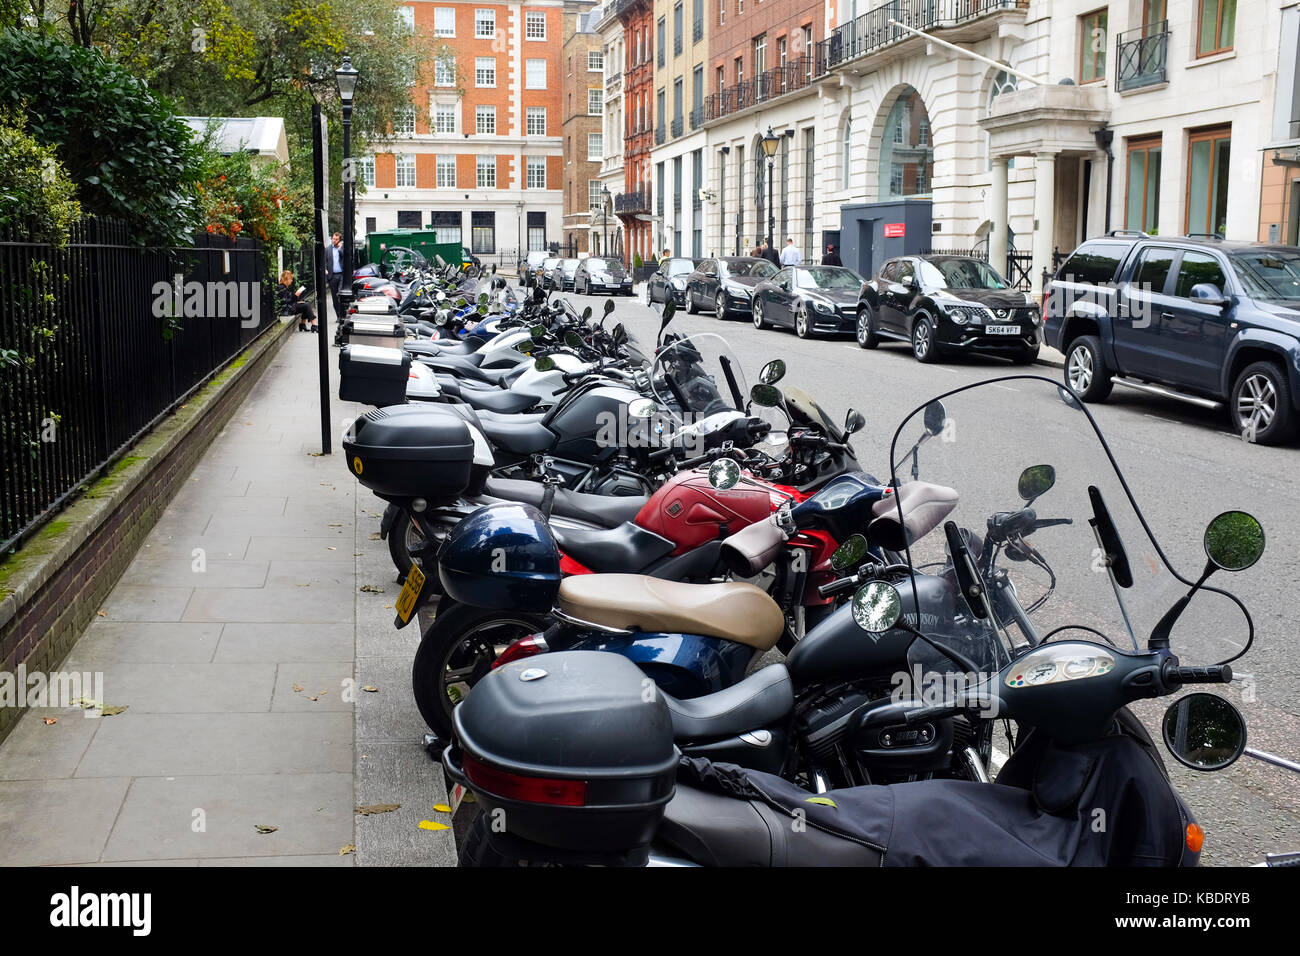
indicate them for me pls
(1195, 837)
(513, 786)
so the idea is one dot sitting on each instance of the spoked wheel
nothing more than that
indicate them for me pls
(457, 650)
(720, 306)
(758, 313)
(802, 327)
(923, 341)
(1261, 405)
(1085, 370)
(866, 332)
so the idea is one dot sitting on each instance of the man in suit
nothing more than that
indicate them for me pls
(832, 258)
(768, 253)
(334, 259)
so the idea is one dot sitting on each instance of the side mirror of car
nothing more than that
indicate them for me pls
(908, 281)
(1207, 293)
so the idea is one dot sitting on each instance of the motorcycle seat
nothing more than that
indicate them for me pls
(733, 610)
(443, 347)
(502, 418)
(762, 698)
(519, 437)
(457, 365)
(609, 511)
(625, 547)
(498, 400)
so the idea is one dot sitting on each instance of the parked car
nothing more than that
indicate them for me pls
(598, 274)
(726, 285)
(809, 299)
(669, 279)
(944, 304)
(566, 270)
(1197, 319)
(530, 264)
(547, 268)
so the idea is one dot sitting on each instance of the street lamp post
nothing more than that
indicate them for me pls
(346, 76)
(770, 143)
(604, 208)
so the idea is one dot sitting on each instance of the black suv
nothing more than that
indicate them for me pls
(1201, 320)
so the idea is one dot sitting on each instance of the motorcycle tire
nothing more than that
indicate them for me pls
(467, 640)
(403, 536)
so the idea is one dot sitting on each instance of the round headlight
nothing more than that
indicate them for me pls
(957, 314)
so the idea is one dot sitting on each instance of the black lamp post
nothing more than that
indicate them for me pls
(346, 76)
(605, 200)
(770, 143)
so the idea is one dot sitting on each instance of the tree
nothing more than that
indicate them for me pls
(37, 197)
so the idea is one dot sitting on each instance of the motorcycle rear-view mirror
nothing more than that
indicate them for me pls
(772, 372)
(768, 396)
(724, 474)
(935, 417)
(1234, 541)
(877, 606)
(482, 298)
(544, 363)
(609, 306)
(1204, 732)
(538, 332)
(573, 340)
(670, 309)
(620, 333)
(850, 553)
(1036, 480)
(586, 313)
(854, 422)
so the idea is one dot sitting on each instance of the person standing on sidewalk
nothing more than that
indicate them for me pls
(832, 258)
(766, 251)
(334, 256)
(790, 255)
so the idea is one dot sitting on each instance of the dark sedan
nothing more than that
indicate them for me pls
(596, 274)
(669, 279)
(566, 271)
(547, 269)
(726, 285)
(944, 304)
(809, 299)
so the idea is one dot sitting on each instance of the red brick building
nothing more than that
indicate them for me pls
(637, 17)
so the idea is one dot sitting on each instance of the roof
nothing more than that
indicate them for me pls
(263, 135)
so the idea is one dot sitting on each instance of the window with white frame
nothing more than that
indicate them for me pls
(446, 172)
(405, 170)
(444, 71)
(595, 101)
(485, 172)
(536, 120)
(535, 75)
(404, 121)
(444, 21)
(485, 24)
(444, 117)
(485, 120)
(595, 61)
(536, 172)
(485, 71)
(535, 25)
(594, 196)
(406, 19)
(367, 170)
(595, 146)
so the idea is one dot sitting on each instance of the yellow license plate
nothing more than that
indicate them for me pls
(407, 600)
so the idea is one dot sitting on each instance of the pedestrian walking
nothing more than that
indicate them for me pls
(291, 302)
(668, 254)
(832, 258)
(334, 256)
(790, 255)
(768, 253)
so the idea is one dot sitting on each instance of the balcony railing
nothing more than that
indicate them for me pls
(677, 202)
(1141, 57)
(660, 57)
(677, 44)
(677, 127)
(659, 204)
(696, 202)
(697, 117)
(632, 204)
(873, 31)
(661, 135)
(697, 31)
(776, 82)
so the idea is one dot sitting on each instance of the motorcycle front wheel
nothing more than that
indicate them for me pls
(455, 653)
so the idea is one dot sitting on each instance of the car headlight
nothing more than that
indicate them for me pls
(677, 284)
(824, 307)
(739, 291)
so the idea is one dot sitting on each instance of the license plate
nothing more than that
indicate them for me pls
(1002, 329)
(409, 599)
(457, 796)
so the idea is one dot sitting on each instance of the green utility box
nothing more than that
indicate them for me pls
(423, 241)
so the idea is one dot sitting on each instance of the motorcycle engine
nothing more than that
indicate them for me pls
(616, 485)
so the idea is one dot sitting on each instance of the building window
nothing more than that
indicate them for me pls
(1092, 52)
(485, 24)
(678, 26)
(446, 172)
(444, 21)
(405, 171)
(740, 70)
(1142, 206)
(406, 19)
(535, 75)
(593, 194)
(536, 119)
(404, 121)
(444, 118)
(595, 101)
(722, 12)
(780, 52)
(595, 61)
(446, 225)
(483, 233)
(536, 232)
(408, 219)
(485, 172)
(846, 166)
(1215, 26)
(536, 172)
(595, 146)
(444, 71)
(906, 161)
(809, 188)
(485, 120)
(367, 165)
(485, 71)
(808, 57)
(371, 225)
(1207, 180)
(760, 54)
(535, 25)
(923, 133)
(740, 7)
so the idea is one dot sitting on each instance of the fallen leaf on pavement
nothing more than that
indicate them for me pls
(262, 828)
(442, 808)
(297, 688)
(113, 711)
(370, 690)
(101, 614)
(430, 825)
(372, 589)
(375, 536)
(350, 848)
(51, 720)
(331, 549)
(369, 808)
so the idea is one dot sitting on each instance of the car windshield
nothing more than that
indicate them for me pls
(535, 257)
(959, 274)
(1269, 274)
(746, 267)
(570, 266)
(680, 267)
(827, 277)
(549, 263)
(604, 265)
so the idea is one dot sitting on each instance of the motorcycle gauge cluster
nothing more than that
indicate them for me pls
(1061, 662)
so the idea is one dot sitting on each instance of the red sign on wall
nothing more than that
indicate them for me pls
(894, 230)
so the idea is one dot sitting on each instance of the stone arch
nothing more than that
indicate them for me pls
(996, 82)
(902, 142)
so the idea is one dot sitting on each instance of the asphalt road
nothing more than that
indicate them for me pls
(1183, 466)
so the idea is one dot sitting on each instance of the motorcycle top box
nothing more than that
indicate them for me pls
(380, 332)
(373, 375)
(501, 555)
(571, 747)
(411, 451)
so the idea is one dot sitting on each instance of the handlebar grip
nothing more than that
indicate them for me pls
(835, 587)
(1052, 522)
(1219, 674)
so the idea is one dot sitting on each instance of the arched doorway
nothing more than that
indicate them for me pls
(906, 148)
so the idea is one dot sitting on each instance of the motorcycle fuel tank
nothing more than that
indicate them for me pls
(593, 424)
(691, 512)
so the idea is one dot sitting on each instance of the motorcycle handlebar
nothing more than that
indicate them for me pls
(1217, 674)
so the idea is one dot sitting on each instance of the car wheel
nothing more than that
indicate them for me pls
(866, 331)
(1085, 370)
(802, 325)
(720, 306)
(1261, 405)
(691, 307)
(649, 296)
(924, 347)
(758, 314)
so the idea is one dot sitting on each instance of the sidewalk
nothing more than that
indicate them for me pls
(238, 641)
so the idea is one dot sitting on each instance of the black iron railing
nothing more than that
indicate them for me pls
(1141, 57)
(661, 135)
(677, 44)
(697, 31)
(873, 30)
(697, 117)
(677, 202)
(769, 85)
(661, 57)
(677, 128)
(630, 204)
(99, 341)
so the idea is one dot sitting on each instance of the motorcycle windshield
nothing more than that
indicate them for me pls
(1034, 479)
(698, 376)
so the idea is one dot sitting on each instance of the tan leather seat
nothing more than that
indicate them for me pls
(734, 610)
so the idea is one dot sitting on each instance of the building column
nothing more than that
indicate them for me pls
(998, 215)
(1044, 217)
